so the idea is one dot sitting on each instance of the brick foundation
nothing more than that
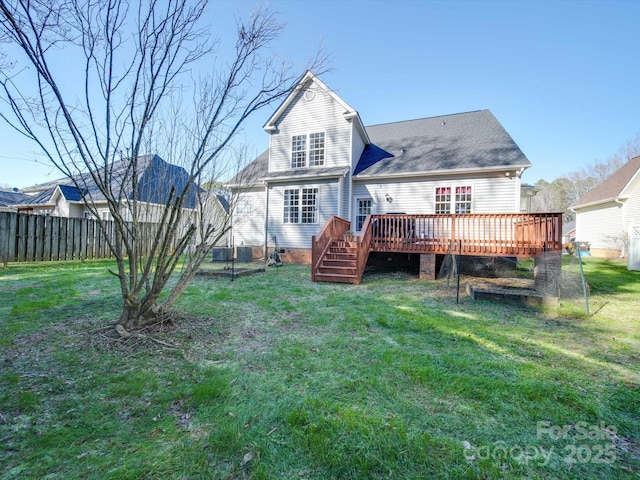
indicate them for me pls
(295, 255)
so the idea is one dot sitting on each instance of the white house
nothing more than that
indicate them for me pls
(604, 214)
(323, 161)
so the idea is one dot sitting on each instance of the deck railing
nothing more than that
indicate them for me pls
(490, 234)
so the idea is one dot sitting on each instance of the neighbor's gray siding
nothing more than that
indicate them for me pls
(322, 114)
(299, 235)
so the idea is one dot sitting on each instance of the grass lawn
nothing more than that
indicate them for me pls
(275, 377)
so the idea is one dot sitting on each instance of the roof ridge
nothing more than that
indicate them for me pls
(429, 118)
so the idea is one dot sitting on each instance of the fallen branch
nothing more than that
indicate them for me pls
(125, 334)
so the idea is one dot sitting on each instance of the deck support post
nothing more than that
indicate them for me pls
(427, 266)
(547, 273)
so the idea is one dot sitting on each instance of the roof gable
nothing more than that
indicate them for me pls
(464, 141)
(613, 186)
(305, 82)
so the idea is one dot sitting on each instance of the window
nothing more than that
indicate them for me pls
(298, 151)
(309, 207)
(458, 202)
(443, 200)
(313, 149)
(463, 200)
(365, 206)
(245, 205)
(291, 202)
(316, 149)
(300, 210)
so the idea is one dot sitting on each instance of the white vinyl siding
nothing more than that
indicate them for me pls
(489, 195)
(303, 117)
(248, 225)
(599, 225)
(298, 235)
(632, 204)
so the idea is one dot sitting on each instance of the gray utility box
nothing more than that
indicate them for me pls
(633, 258)
(221, 254)
(226, 254)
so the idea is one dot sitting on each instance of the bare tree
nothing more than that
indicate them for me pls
(134, 66)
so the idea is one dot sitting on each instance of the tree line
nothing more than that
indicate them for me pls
(559, 194)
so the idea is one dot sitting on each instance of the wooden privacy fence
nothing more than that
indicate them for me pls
(38, 238)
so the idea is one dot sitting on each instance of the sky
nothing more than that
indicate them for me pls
(562, 77)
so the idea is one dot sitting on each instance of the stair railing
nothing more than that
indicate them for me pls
(334, 229)
(364, 245)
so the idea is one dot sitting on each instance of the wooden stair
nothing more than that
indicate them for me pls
(340, 264)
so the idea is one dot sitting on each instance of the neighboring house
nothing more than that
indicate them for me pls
(8, 198)
(568, 232)
(604, 214)
(323, 161)
(62, 198)
(527, 192)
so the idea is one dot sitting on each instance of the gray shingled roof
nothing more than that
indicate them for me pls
(613, 185)
(473, 140)
(254, 172)
(155, 179)
(12, 198)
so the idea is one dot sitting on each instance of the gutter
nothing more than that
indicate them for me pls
(616, 199)
(438, 172)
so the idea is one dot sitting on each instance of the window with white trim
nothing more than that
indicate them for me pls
(291, 205)
(316, 149)
(365, 207)
(309, 206)
(298, 151)
(463, 199)
(300, 205)
(443, 200)
(456, 199)
(245, 205)
(313, 149)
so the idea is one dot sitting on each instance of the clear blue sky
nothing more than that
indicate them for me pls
(563, 77)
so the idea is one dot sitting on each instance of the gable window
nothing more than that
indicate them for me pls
(316, 149)
(456, 199)
(300, 205)
(365, 206)
(298, 151)
(311, 147)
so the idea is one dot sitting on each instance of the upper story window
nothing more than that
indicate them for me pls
(309, 147)
(316, 149)
(298, 151)
(453, 199)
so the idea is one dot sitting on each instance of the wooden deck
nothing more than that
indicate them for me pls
(504, 234)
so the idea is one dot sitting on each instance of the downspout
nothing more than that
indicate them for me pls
(349, 200)
(266, 220)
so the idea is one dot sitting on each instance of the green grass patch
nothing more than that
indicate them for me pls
(277, 377)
